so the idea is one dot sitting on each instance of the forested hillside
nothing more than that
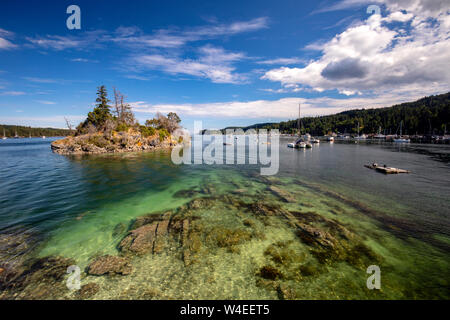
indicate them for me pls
(429, 115)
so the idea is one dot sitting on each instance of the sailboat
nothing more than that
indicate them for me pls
(16, 136)
(360, 137)
(4, 135)
(401, 139)
(299, 143)
(379, 135)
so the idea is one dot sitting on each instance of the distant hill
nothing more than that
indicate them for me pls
(23, 131)
(429, 115)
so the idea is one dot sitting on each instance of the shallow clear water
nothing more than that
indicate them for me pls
(73, 205)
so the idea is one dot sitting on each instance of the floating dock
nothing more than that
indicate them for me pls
(386, 170)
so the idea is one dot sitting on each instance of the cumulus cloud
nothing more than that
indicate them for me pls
(344, 69)
(378, 55)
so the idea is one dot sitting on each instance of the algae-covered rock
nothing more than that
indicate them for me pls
(282, 194)
(285, 292)
(270, 272)
(109, 265)
(281, 255)
(186, 193)
(140, 240)
(88, 290)
(119, 229)
(37, 279)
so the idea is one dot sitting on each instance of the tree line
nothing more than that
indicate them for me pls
(23, 131)
(429, 115)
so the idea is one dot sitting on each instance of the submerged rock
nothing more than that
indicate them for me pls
(37, 279)
(187, 193)
(283, 194)
(270, 273)
(229, 238)
(88, 290)
(109, 265)
(119, 229)
(286, 292)
(140, 240)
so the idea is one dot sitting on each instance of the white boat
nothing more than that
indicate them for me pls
(291, 145)
(4, 135)
(402, 140)
(43, 137)
(315, 140)
(330, 138)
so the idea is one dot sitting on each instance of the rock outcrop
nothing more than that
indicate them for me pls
(116, 142)
(109, 265)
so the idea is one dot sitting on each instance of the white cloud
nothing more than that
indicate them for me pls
(212, 63)
(282, 61)
(4, 43)
(375, 56)
(399, 16)
(12, 93)
(83, 60)
(45, 102)
(135, 37)
(286, 108)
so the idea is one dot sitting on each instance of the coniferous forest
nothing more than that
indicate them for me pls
(429, 115)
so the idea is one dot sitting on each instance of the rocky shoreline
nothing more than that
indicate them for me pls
(117, 142)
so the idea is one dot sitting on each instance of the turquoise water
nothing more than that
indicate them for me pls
(81, 207)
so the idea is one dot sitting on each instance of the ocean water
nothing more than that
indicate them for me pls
(81, 207)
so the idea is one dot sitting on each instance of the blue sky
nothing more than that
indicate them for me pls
(225, 63)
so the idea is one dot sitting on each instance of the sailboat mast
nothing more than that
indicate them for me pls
(298, 121)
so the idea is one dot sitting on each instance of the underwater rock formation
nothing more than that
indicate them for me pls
(88, 290)
(282, 194)
(109, 265)
(37, 279)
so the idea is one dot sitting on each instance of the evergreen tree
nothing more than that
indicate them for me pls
(101, 112)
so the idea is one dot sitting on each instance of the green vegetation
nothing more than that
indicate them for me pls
(120, 118)
(429, 115)
(22, 131)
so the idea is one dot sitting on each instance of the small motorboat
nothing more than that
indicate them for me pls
(402, 140)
